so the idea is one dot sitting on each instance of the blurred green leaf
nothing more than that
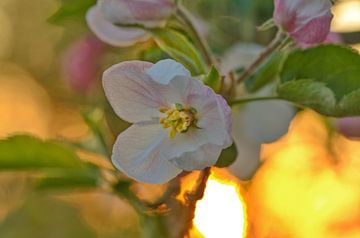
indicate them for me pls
(24, 152)
(153, 54)
(180, 48)
(266, 73)
(325, 78)
(71, 10)
(213, 79)
(43, 217)
(59, 166)
(95, 120)
(123, 188)
(70, 179)
(227, 157)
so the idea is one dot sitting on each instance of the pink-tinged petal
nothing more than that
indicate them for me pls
(349, 126)
(214, 116)
(307, 21)
(332, 38)
(226, 112)
(284, 15)
(180, 87)
(205, 156)
(165, 70)
(81, 62)
(134, 96)
(111, 34)
(190, 141)
(149, 13)
(314, 32)
(137, 153)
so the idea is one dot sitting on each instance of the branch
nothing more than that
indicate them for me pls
(248, 100)
(194, 197)
(271, 48)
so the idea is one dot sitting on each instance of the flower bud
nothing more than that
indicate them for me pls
(306, 21)
(81, 62)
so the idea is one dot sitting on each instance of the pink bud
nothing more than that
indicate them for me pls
(81, 62)
(349, 126)
(147, 12)
(306, 21)
(332, 38)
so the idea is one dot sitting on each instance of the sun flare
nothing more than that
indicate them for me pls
(222, 211)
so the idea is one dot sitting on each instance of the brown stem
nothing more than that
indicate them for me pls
(194, 197)
(200, 42)
(271, 48)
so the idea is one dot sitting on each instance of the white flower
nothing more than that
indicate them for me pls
(103, 17)
(178, 123)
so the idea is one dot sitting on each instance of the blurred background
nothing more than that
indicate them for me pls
(50, 75)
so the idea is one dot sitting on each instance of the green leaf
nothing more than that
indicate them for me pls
(180, 48)
(45, 217)
(266, 73)
(325, 78)
(227, 157)
(71, 10)
(59, 166)
(25, 153)
(123, 188)
(213, 79)
(70, 179)
(153, 54)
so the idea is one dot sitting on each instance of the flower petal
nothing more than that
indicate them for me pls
(134, 96)
(213, 114)
(137, 153)
(111, 34)
(184, 142)
(149, 13)
(204, 156)
(313, 32)
(307, 21)
(165, 70)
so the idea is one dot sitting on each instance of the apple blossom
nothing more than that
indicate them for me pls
(306, 21)
(103, 17)
(178, 123)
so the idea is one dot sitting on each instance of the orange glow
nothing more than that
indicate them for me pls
(25, 106)
(222, 211)
(356, 47)
(309, 184)
(346, 16)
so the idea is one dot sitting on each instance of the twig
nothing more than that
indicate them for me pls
(194, 197)
(248, 100)
(271, 48)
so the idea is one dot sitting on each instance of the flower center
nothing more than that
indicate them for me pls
(179, 119)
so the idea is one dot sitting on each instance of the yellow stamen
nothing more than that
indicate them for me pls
(179, 119)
